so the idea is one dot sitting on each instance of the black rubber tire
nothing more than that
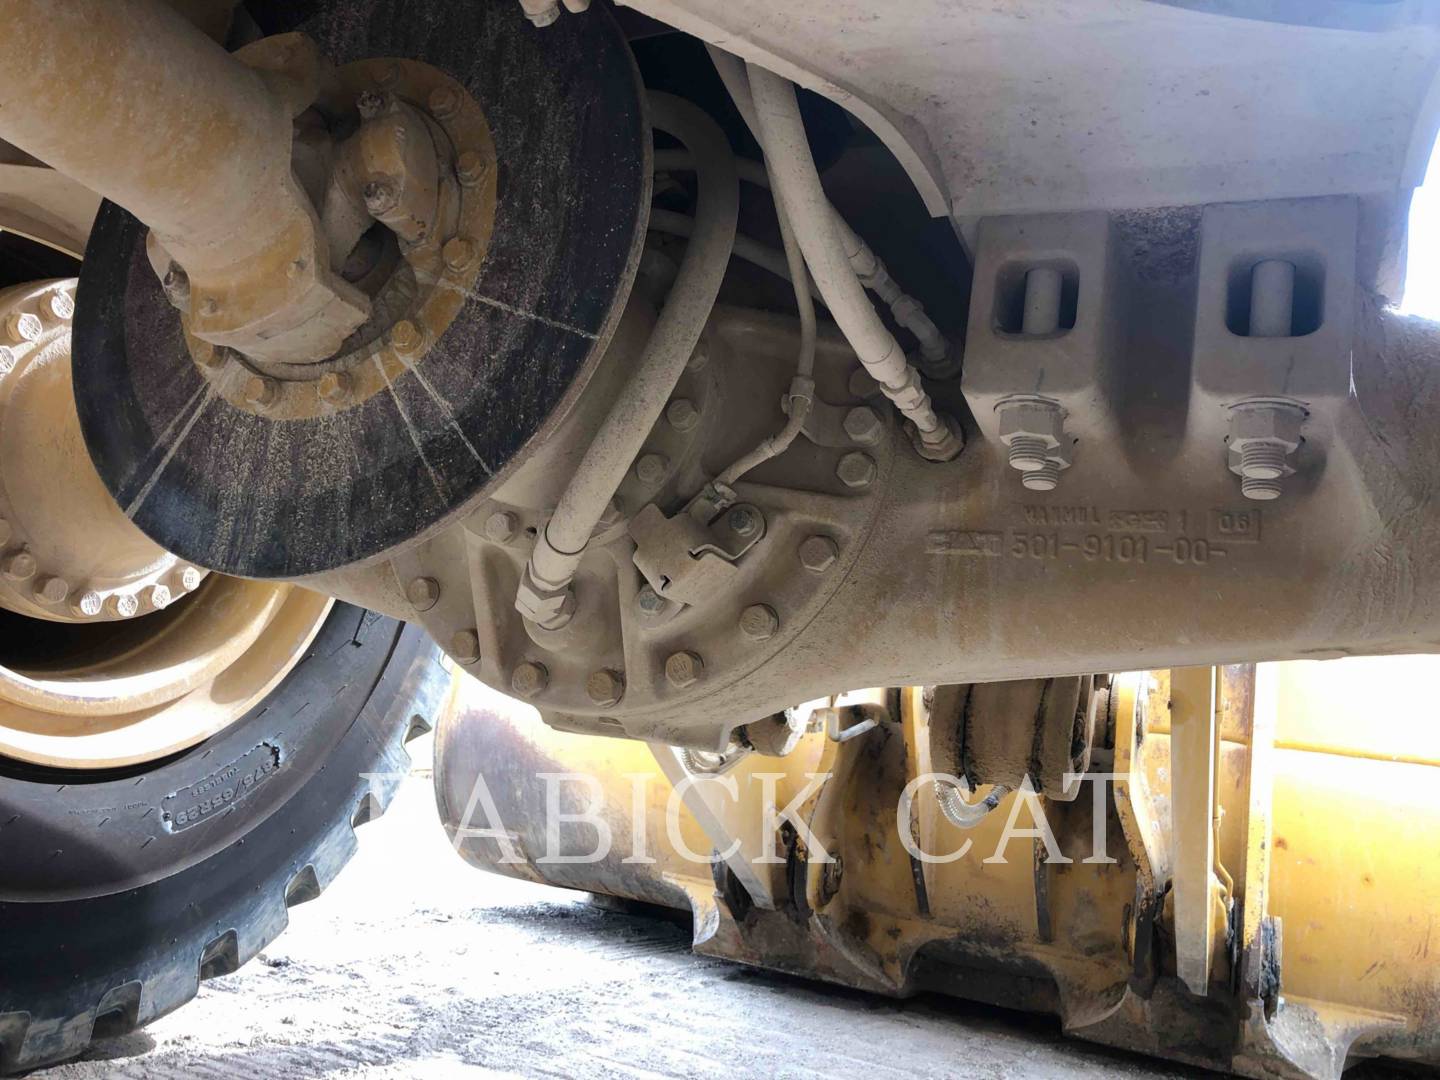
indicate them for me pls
(119, 893)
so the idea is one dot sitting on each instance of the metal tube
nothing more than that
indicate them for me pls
(1272, 298)
(1042, 301)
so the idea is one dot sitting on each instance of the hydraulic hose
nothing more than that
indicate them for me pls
(622, 433)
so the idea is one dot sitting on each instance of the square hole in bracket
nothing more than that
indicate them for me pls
(1012, 282)
(1307, 310)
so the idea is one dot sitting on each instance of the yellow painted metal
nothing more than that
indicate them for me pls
(1319, 830)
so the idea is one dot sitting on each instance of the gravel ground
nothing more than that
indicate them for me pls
(414, 965)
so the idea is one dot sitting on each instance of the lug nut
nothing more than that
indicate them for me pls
(529, 678)
(335, 387)
(682, 414)
(261, 391)
(605, 687)
(465, 646)
(650, 602)
(818, 553)
(159, 597)
(61, 305)
(380, 197)
(459, 254)
(23, 326)
(856, 470)
(444, 102)
(19, 566)
(862, 425)
(90, 604)
(123, 605)
(470, 168)
(650, 469)
(501, 526)
(52, 590)
(405, 336)
(759, 622)
(683, 669)
(743, 522)
(423, 593)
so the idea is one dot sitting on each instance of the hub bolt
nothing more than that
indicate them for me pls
(18, 567)
(190, 578)
(405, 335)
(465, 646)
(335, 387)
(123, 605)
(682, 414)
(529, 678)
(818, 553)
(650, 602)
(22, 326)
(261, 391)
(501, 526)
(159, 597)
(759, 622)
(605, 687)
(650, 469)
(470, 167)
(459, 254)
(444, 102)
(423, 593)
(61, 305)
(52, 590)
(90, 604)
(7, 359)
(683, 669)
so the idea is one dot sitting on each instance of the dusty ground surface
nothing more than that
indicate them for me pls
(414, 965)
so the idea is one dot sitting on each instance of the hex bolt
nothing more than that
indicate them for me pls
(7, 359)
(1262, 436)
(743, 522)
(465, 646)
(1045, 478)
(123, 605)
(422, 592)
(52, 590)
(1041, 314)
(61, 305)
(758, 622)
(459, 254)
(23, 326)
(862, 425)
(19, 566)
(682, 415)
(683, 669)
(176, 284)
(90, 604)
(1033, 431)
(650, 602)
(381, 196)
(444, 102)
(818, 553)
(470, 168)
(529, 678)
(856, 470)
(190, 578)
(405, 336)
(650, 469)
(335, 387)
(261, 391)
(605, 687)
(501, 526)
(371, 103)
(159, 597)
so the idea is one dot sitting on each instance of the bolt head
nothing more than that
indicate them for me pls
(682, 414)
(405, 336)
(1035, 419)
(862, 425)
(465, 646)
(470, 168)
(7, 359)
(459, 254)
(123, 605)
(422, 592)
(61, 305)
(190, 578)
(159, 597)
(818, 553)
(1261, 424)
(19, 566)
(758, 622)
(52, 590)
(444, 102)
(650, 469)
(650, 602)
(381, 196)
(261, 391)
(335, 387)
(90, 604)
(605, 687)
(742, 521)
(529, 678)
(501, 526)
(856, 470)
(23, 326)
(683, 669)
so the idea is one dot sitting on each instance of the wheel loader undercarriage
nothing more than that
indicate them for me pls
(1054, 387)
